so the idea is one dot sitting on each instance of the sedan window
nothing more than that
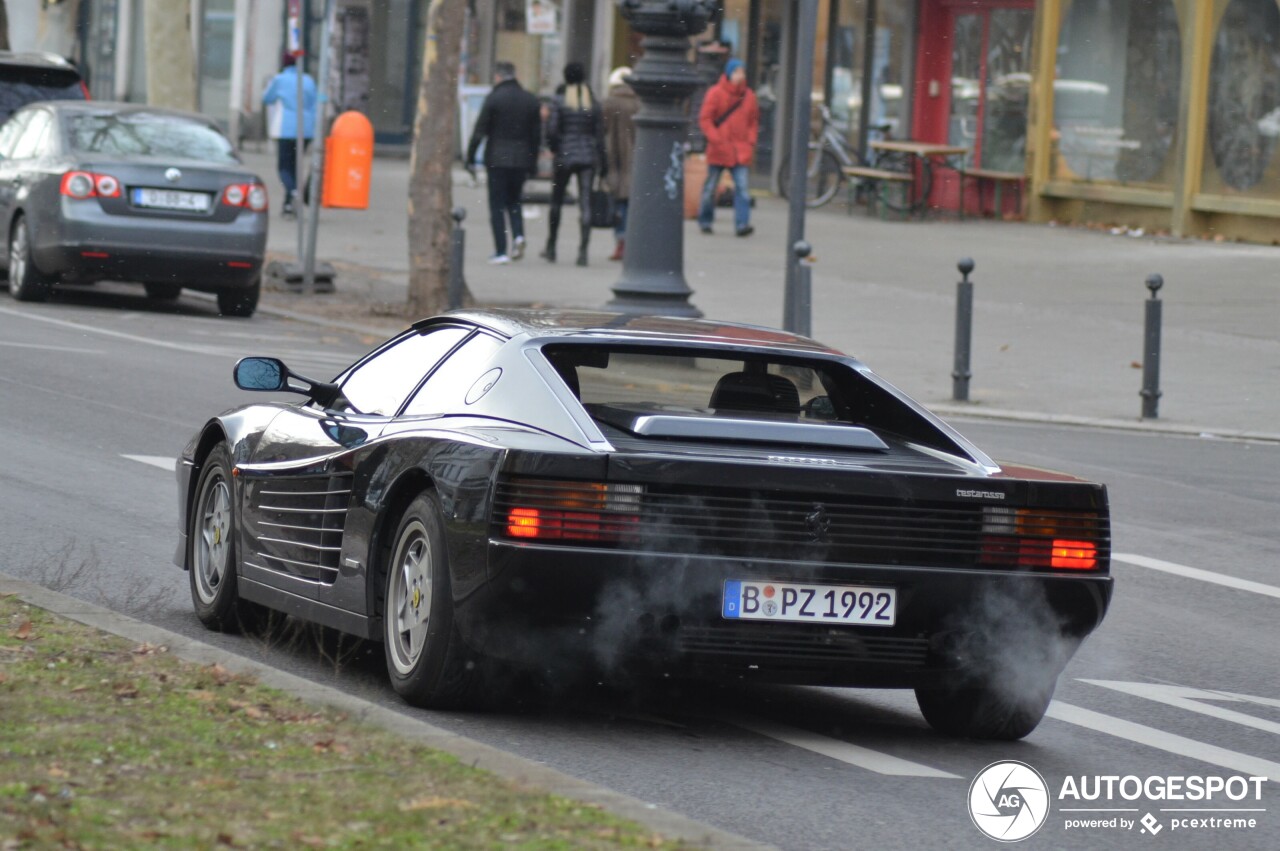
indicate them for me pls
(10, 132)
(34, 138)
(381, 383)
(147, 134)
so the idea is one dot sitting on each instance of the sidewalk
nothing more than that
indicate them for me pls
(1058, 314)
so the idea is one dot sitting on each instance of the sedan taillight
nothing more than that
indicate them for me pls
(250, 195)
(1032, 537)
(86, 184)
(573, 511)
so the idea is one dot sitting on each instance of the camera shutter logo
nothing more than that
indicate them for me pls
(1008, 801)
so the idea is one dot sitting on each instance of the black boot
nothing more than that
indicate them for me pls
(582, 246)
(549, 253)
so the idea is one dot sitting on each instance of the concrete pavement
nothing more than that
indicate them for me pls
(1058, 316)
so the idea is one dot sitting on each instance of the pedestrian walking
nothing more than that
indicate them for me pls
(575, 133)
(730, 119)
(511, 121)
(620, 108)
(281, 101)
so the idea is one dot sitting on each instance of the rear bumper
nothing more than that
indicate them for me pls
(662, 613)
(152, 249)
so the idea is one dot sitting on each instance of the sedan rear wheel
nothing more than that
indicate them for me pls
(427, 660)
(211, 551)
(240, 301)
(26, 283)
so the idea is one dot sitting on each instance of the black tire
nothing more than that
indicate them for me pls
(823, 176)
(212, 553)
(240, 301)
(163, 292)
(984, 711)
(26, 282)
(428, 663)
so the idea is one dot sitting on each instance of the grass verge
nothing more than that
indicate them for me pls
(104, 744)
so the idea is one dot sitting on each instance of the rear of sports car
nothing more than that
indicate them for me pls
(803, 524)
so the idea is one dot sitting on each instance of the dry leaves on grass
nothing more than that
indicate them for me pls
(434, 802)
(23, 632)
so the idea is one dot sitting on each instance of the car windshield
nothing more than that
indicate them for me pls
(147, 134)
(20, 86)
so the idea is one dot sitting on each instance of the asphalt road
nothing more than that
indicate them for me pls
(99, 391)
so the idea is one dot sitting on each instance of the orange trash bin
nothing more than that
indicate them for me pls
(348, 162)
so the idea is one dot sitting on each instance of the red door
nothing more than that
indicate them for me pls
(973, 77)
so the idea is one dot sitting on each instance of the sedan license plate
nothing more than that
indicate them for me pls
(851, 605)
(171, 199)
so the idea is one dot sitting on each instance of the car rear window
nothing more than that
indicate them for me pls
(147, 134)
(20, 86)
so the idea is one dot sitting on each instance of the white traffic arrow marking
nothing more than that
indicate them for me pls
(162, 461)
(1159, 739)
(881, 763)
(1190, 699)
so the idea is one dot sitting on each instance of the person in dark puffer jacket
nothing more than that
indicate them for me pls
(575, 134)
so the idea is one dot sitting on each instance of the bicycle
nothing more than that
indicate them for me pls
(830, 154)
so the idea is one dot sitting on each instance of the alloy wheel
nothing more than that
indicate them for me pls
(409, 598)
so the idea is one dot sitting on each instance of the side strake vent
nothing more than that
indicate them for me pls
(771, 525)
(299, 524)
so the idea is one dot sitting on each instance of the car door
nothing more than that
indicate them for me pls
(298, 481)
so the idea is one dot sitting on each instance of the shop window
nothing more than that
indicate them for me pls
(1115, 91)
(1244, 92)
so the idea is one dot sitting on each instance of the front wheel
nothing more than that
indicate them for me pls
(427, 661)
(1002, 712)
(240, 301)
(822, 176)
(211, 551)
(26, 282)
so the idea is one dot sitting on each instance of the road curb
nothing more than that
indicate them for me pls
(516, 769)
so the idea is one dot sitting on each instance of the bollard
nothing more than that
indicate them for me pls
(804, 289)
(1151, 351)
(960, 375)
(457, 283)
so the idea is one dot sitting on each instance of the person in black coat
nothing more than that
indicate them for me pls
(575, 134)
(511, 119)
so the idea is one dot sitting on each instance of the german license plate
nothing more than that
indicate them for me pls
(852, 605)
(171, 199)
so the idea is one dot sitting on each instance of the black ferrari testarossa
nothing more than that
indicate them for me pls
(648, 496)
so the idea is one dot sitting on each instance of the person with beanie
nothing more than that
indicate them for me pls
(575, 134)
(730, 119)
(620, 108)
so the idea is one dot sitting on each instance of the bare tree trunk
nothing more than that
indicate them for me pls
(4, 26)
(171, 69)
(431, 163)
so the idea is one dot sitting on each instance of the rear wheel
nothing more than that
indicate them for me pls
(211, 551)
(822, 176)
(986, 711)
(26, 283)
(427, 661)
(163, 292)
(240, 301)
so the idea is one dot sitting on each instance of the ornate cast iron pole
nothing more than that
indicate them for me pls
(653, 269)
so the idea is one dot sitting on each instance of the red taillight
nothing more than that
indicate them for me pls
(547, 510)
(1028, 537)
(250, 195)
(86, 184)
(84, 87)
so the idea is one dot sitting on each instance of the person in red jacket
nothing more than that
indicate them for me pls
(730, 119)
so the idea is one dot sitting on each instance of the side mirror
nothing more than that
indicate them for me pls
(269, 374)
(272, 376)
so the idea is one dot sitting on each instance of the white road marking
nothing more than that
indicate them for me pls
(881, 763)
(107, 332)
(54, 348)
(1160, 740)
(1197, 573)
(162, 461)
(1191, 699)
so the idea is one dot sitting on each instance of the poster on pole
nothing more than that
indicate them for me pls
(540, 17)
(293, 38)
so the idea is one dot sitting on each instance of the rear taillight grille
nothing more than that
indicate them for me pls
(853, 530)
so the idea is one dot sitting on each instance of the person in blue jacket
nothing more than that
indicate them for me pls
(281, 101)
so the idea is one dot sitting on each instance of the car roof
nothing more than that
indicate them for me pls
(623, 327)
(37, 59)
(108, 107)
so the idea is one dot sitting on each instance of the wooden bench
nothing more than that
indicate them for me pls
(872, 176)
(997, 179)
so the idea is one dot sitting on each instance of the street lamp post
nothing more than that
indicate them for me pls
(653, 268)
